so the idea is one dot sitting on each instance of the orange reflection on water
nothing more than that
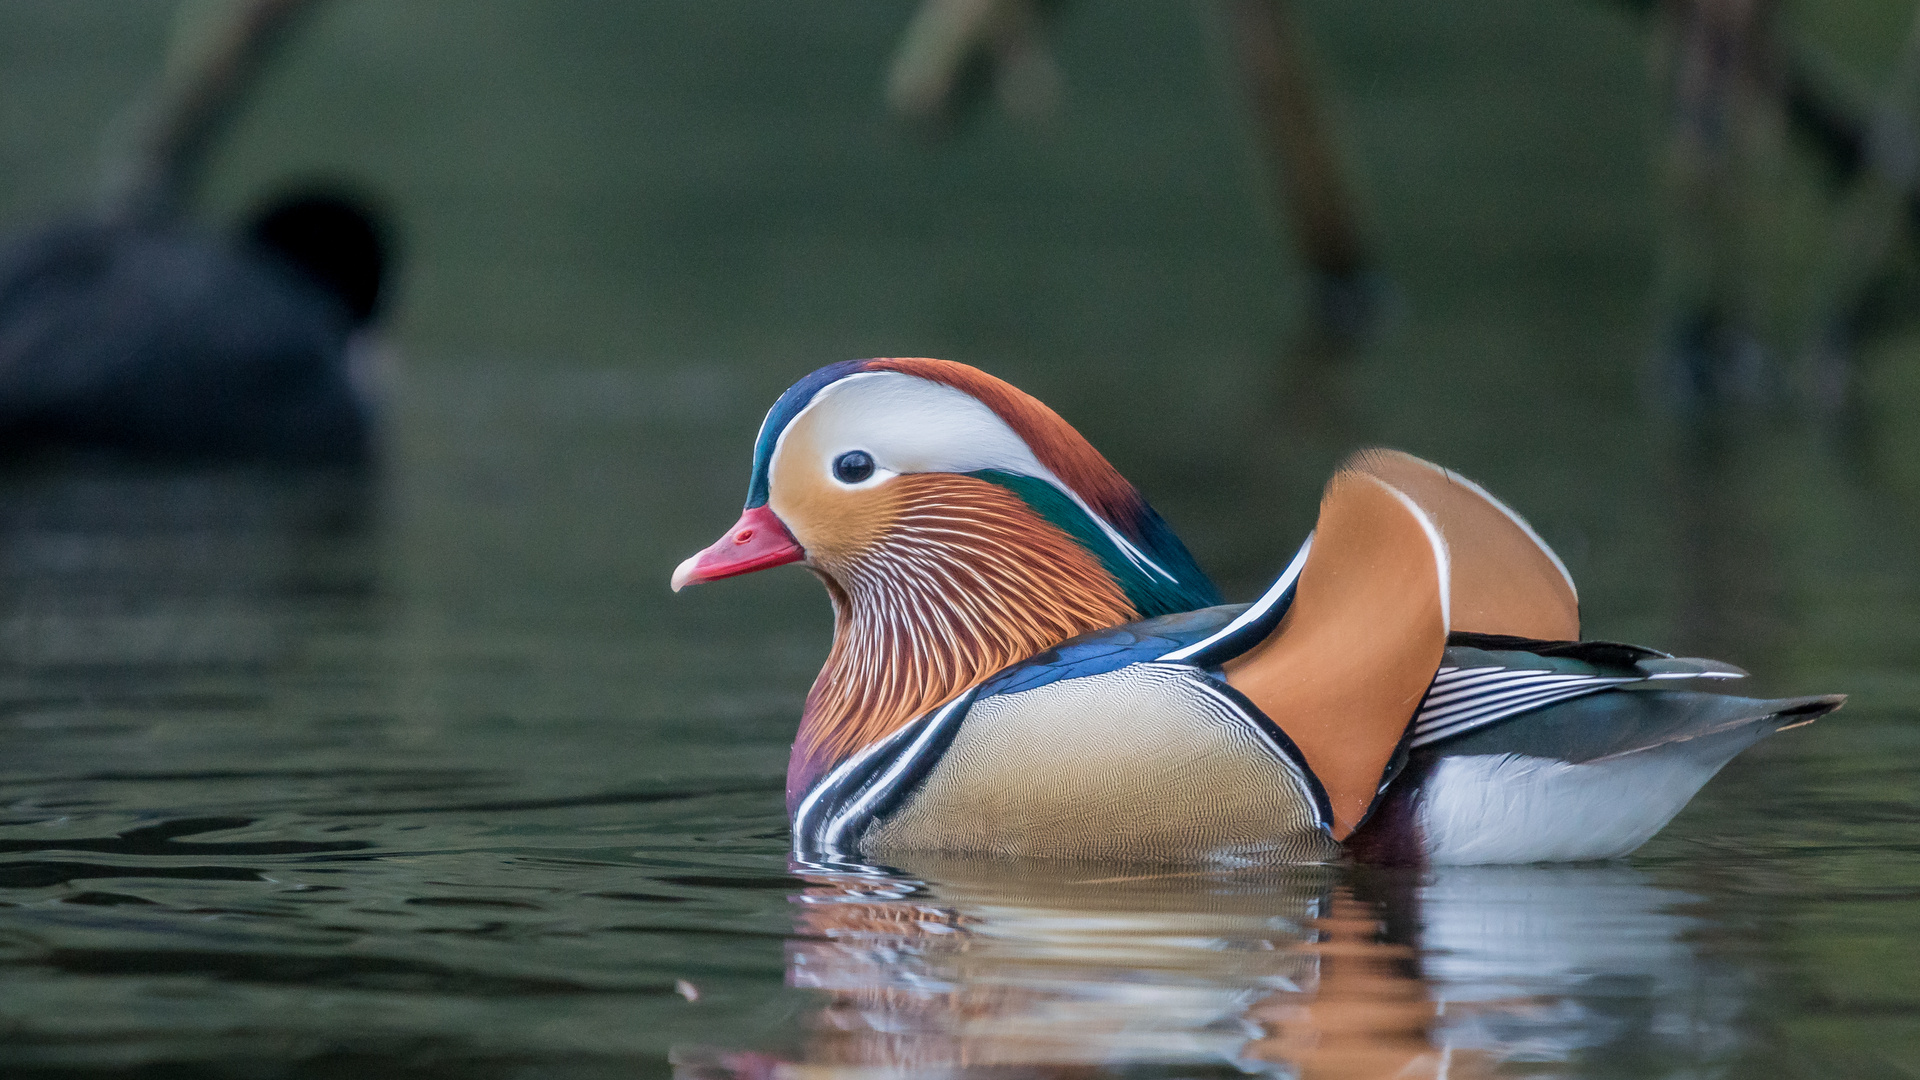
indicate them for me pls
(1367, 1014)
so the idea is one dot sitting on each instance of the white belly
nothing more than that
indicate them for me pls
(1515, 809)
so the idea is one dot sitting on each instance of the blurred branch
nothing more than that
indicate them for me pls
(947, 39)
(1309, 185)
(1826, 115)
(208, 76)
(1733, 79)
(1725, 114)
(1864, 242)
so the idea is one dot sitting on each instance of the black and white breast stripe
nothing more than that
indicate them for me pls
(1251, 626)
(1231, 706)
(828, 823)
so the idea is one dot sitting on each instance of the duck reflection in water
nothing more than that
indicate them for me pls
(1309, 972)
(127, 583)
(1098, 969)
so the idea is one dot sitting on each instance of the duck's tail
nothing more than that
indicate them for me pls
(1593, 778)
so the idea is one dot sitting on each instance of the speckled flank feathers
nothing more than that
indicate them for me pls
(1151, 763)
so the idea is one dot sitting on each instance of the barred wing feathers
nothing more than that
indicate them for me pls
(1478, 686)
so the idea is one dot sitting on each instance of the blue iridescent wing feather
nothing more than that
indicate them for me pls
(1111, 649)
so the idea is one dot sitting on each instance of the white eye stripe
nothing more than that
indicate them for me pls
(912, 425)
(908, 424)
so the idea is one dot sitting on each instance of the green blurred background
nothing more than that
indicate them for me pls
(674, 210)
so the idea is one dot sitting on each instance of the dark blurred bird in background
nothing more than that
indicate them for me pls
(132, 333)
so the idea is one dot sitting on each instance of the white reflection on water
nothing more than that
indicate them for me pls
(1314, 972)
(1551, 963)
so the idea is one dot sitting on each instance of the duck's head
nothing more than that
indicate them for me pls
(848, 453)
(959, 524)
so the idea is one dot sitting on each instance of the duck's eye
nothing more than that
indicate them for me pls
(853, 466)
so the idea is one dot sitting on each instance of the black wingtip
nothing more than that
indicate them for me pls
(1799, 712)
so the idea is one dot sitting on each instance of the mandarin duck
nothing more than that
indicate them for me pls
(1027, 662)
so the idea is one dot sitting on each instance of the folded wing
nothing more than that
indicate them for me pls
(1344, 671)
